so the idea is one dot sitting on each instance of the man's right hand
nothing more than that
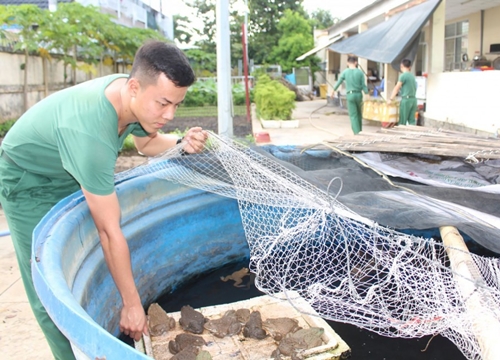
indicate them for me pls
(105, 210)
(333, 94)
(133, 321)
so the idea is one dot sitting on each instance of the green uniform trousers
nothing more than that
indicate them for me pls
(354, 106)
(26, 198)
(407, 110)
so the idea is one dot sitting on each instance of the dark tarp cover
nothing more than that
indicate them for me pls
(366, 193)
(393, 40)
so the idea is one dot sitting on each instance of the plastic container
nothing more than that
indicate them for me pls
(322, 91)
(174, 233)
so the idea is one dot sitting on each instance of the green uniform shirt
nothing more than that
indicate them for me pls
(355, 80)
(71, 138)
(409, 88)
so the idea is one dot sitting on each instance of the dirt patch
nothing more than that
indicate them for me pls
(241, 127)
(125, 162)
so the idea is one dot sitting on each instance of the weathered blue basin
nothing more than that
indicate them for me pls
(174, 233)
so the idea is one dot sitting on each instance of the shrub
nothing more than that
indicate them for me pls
(128, 144)
(5, 127)
(274, 101)
(204, 93)
(239, 95)
(201, 93)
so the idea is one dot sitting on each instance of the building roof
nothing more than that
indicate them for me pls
(43, 4)
(393, 40)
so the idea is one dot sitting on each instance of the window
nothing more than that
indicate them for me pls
(456, 43)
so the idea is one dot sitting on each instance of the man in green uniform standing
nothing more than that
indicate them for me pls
(70, 141)
(407, 88)
(355, 83)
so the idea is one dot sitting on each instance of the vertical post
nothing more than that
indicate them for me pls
(363, 63)
(246, 27)
(245, 71)
(391, 79)
(224, 98)
(438, 22)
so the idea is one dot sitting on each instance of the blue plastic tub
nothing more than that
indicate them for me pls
(174, 233)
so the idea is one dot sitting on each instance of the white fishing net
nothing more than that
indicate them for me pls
(347, 267)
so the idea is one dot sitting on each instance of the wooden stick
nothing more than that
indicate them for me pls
(485, 324)
(144, 345)
(452, 152)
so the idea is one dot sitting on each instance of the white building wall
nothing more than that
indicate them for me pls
(492, 30)
(468, 100)
(464, 100)
(474, 36)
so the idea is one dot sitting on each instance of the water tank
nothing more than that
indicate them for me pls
(174, 233)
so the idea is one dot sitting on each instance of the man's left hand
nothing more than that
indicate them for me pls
(194, 140)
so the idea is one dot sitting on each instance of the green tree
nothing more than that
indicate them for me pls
(27, 18)
(73, 32)
(202, 61)
(296, 39)
(322, 19)
(123, 43)
(84, 33)
(183, 31)
(205, 10)
(263, 29)
(7, 38)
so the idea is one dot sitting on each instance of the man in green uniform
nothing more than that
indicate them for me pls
(407, 88)
(355, 83)
(70, 141)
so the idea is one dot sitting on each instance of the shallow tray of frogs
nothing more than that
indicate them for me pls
(260, 328)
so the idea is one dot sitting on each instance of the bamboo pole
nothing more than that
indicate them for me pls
(485, 324)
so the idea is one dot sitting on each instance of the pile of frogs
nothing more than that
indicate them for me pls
(289, 337)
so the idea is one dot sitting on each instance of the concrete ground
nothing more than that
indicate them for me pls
(318, 122)
(20, 336)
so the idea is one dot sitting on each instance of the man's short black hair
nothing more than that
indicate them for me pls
(156, 57)
(352, 59)
(406, 63)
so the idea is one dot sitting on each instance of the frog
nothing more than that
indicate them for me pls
(189, 353)
(253, 327)
(227, 325)
(300, 340)
(279, 327)
(159, 322)
(237, 277)
(191, 320)
(243, 315)
(183, 340)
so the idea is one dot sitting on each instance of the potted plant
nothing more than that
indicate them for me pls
(274, 104)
